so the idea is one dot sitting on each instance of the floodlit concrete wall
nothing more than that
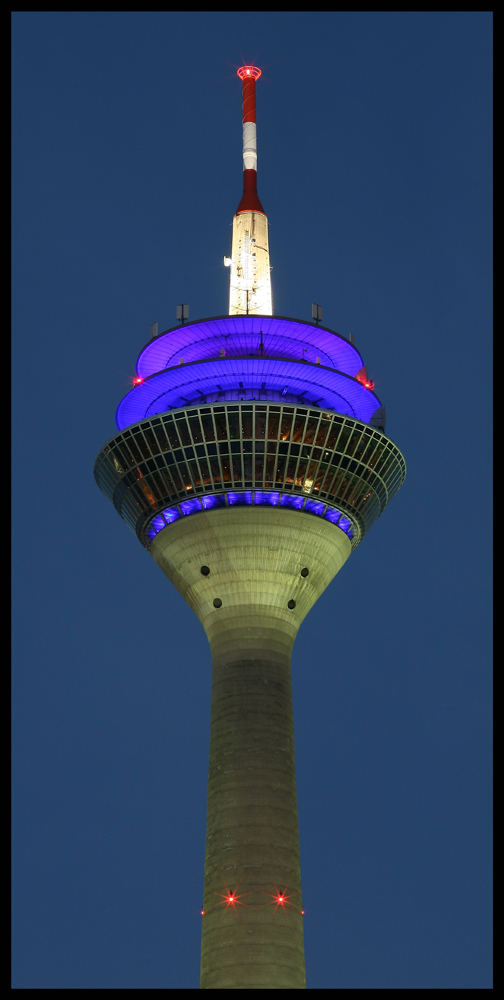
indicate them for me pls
(251, 576)
(252, 839)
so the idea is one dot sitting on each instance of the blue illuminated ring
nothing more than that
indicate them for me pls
(232, 498)
(243, 335)
(190, 384)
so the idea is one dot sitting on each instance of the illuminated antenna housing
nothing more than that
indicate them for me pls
(250, 278)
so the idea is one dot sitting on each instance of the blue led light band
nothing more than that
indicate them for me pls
(233, 498)
(236, 379)
(235, 336)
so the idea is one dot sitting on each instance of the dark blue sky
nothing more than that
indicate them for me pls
(375, 169)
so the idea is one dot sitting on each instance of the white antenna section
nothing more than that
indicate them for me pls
(154, 330)
(250, 277)
(182, 313)
(316, 312)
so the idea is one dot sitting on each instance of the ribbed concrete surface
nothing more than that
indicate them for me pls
(252, 842)
(254, 558)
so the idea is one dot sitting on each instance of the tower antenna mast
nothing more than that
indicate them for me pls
(250, 272)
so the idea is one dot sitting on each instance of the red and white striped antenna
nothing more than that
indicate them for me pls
(250, 199)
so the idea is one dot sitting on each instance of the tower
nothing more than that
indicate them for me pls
(251, 460)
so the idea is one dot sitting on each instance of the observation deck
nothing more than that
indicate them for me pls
(250, 411)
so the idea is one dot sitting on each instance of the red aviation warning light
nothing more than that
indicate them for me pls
(246, 71)
(281, 898)
(363, 377)
(231, 897)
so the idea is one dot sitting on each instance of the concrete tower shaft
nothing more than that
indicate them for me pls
(251, 576)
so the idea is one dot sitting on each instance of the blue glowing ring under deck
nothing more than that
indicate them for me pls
(188, 385)
(236, 498)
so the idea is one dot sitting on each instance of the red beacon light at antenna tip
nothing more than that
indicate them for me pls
(245, 72)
